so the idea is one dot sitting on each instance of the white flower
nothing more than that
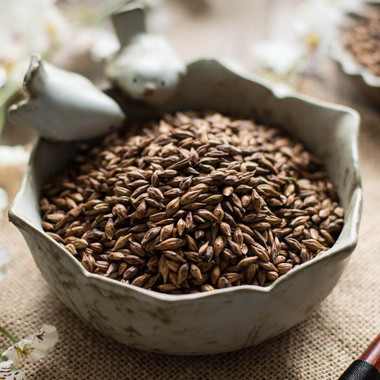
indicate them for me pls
(5, 258)
(294, 45)
(13, 155)
(7, 372)
(36, 347)
(26, 27)
(278, 55)
(315, 22)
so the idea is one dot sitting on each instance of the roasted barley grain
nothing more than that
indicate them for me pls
(195, 203)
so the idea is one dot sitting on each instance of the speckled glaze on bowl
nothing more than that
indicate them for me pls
(221, 320)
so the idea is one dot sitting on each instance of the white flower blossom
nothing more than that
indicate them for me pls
(7, 372)
(278, 55)
(13, 155)
(5, 258)
(26, 27)
(35, 347)
(300, 43)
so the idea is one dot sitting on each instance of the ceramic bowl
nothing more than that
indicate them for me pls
(220, 320)
(360, 76)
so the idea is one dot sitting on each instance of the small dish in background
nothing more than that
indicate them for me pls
(363, 74)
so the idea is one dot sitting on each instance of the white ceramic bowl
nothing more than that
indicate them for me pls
(221, 320)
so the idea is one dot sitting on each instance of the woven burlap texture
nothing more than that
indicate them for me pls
(319, 348)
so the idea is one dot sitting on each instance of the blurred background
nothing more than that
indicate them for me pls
(277, 40)
(258, 34)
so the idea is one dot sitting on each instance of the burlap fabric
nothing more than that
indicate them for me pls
(319, 348)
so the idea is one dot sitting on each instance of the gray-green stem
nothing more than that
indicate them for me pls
(8, 334)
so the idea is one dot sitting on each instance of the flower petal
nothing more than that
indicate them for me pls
(35, 347)
(43, 341)
(278, 55)
(13, 155)
(6, 371)
(13, 354)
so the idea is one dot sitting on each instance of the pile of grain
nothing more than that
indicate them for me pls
(193, 203)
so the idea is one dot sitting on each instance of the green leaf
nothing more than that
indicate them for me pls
(8, 334)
